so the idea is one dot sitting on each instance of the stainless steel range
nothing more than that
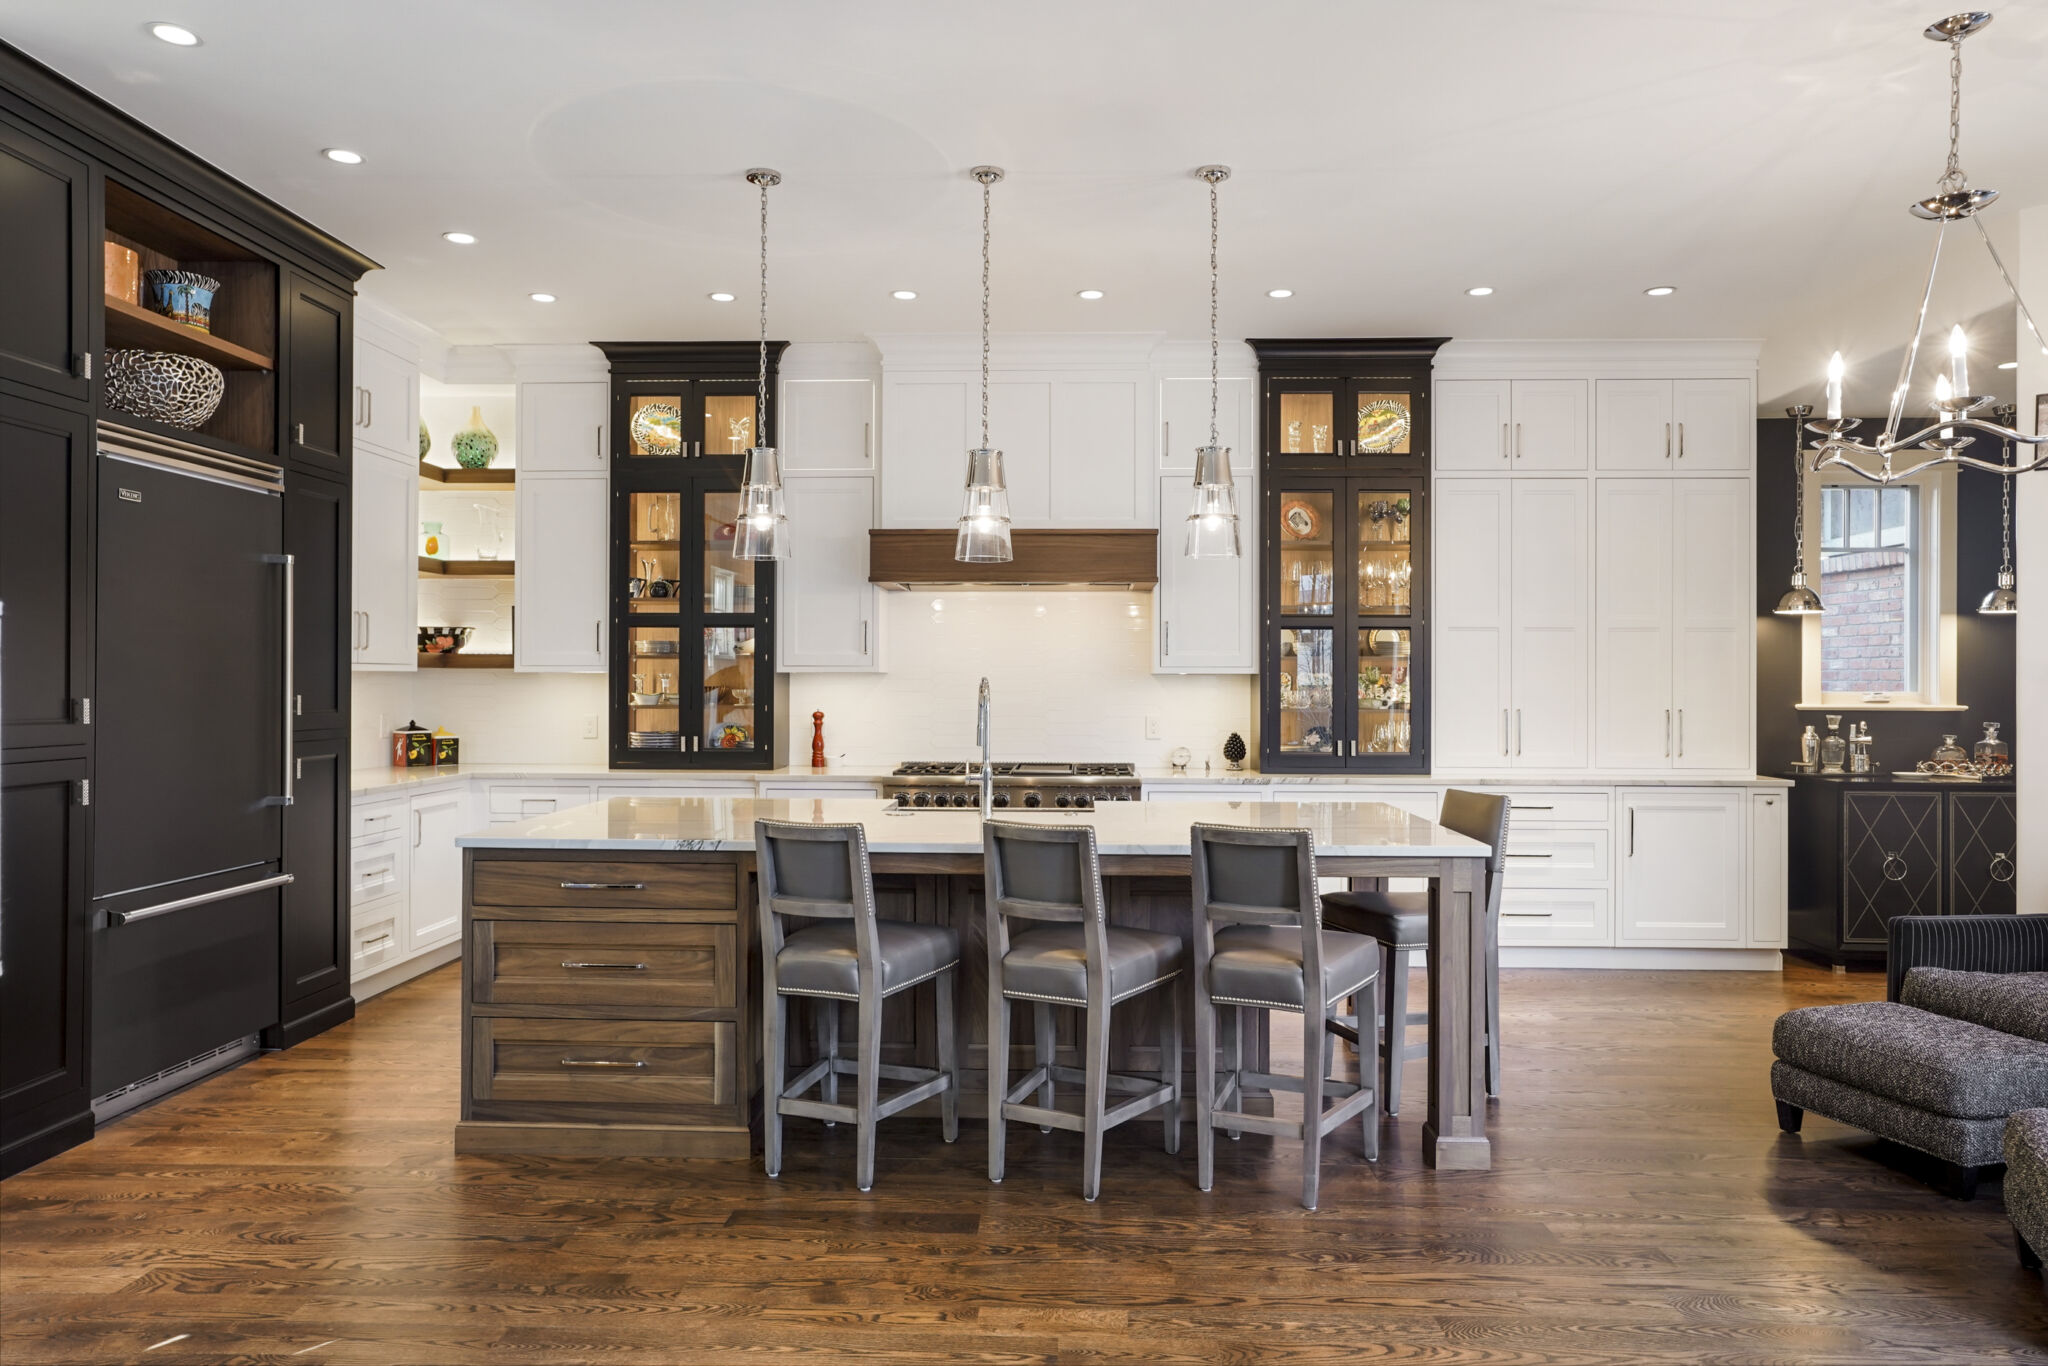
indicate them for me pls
(1029, 785)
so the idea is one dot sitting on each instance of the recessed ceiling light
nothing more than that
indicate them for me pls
(1279, 293)
(174, 34)
(542, 298)
(903, 294)
(1091, 294)
(460, 239)
(721, 298)
(2008, 365)
(1660, 291)
(1480, 291)
(343, 155)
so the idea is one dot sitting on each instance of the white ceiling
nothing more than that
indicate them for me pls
(1758, 154)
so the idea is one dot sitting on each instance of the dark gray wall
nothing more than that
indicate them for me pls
(1985, 663)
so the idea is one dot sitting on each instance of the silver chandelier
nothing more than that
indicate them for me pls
(1943, 440)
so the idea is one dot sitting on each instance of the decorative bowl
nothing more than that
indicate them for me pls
(444, 640)
(164, 386)
(183, 296)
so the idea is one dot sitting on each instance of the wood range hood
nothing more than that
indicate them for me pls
(1124, 559)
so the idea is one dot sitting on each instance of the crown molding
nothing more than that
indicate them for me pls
(1017, 351)
(1626, 358)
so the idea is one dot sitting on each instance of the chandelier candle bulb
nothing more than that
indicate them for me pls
(1835, 372)
(1959, 360)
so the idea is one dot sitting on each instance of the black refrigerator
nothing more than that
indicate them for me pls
(192, 649)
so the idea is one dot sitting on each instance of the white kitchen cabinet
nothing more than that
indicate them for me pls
(829, 612)
(384, 564)
(1470, 722)
(1548, 418)
(386, 397)
(377, 870)
(1472, 426)
(505, 804)
(1558, 855)
(925, 439)
(1557, 917)
(1184, 423)
(434, 893)
(1683, 877)
(1094, 476)
(1769, 864)
(1206, 610)
(563, 428)
(827, 425)
(1685, 426)
(559, 592)
(1633, 653)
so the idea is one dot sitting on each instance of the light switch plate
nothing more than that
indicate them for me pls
(1151, 728)
(590, 726)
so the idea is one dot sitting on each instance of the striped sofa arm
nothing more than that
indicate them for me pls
(1973, 943)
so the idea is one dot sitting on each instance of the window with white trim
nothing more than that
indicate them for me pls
(1886, 556)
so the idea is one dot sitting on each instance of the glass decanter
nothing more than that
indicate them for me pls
(1991, 747)
(1833, 748)
(1949, 752)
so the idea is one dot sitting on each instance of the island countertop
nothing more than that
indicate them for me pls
(1122, 829)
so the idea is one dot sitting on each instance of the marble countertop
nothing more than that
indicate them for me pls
(726, 824)
(364, 782)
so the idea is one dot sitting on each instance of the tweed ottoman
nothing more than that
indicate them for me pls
(2026, 1183)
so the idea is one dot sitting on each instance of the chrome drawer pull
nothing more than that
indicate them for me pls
(598, 1062)
(604, 886)
(1513, 854)
(623, 967)
(1529, 915)
(1525, 806)
(2002, 869)
(1893, 861)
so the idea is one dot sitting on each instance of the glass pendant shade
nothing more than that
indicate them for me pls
(761, 531)
(2004, 600)
(984, 530)
(1212, 517)
(1799, 600)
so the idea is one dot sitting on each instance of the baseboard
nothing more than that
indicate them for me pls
(296, 1031)
(46, 1143)
(602, 1140)
(398, 974)
(1666, 960)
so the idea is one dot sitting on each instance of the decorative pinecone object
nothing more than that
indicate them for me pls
(1233, 750)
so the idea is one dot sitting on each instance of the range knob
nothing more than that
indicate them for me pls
(1063, 800)
(1002, 799)
(922, 799)
(962, 799)
(903, 799)
(1032, 799)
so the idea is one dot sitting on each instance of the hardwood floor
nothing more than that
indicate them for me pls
(1643, 1207)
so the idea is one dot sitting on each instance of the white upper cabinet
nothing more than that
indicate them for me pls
(1094, 476)
(1683, 881)
(1685, 426)
(1550, 643)
(828, 425)
(1634, 425)
(1184, 422)
(563, 429)
(1470, 723)
(559, 591)
(827, 608)
(386, 401)
(1632, 679)
(384, 564)
(924, 449)
(1549, 421)
(1207, 610)
(1472, 427)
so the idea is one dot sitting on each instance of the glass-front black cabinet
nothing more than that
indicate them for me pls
(1343, 536)
(693, 680)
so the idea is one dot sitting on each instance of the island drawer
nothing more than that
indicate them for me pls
(604, 1062)
(623, 886)
(1567, 856)
(1527, 806)
(1577, 916)
(593, 963)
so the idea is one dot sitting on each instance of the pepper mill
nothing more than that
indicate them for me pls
(817, 739)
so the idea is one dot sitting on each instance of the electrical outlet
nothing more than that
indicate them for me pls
(590, 726)
(1151, 728)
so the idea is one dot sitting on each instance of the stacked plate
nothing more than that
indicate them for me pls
(653, 739)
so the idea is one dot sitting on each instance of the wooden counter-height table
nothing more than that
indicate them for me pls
(612, 959)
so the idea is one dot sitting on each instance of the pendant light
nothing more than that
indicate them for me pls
(761, 530)
(2004, 600)
(1951, 203)
(984, 531)
(1799, 600)
(1212, 518)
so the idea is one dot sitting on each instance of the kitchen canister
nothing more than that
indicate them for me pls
(447, 748)
(412, 746)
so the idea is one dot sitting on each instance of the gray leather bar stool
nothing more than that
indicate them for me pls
(820, 873)
(1259, 885)
(1050, 875)
(1399, 921)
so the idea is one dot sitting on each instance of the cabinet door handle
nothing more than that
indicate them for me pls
(1503, 732)
(603, 887)
(1503, 440)
(1667, 732)
(597, 636)
(867, 442)
(299, 429)
(1667, 441)
(1681, 441)
(1518, 732)
(1166, 638)
(1681, 732)
(1512, 854)
(1165, 439)
(416, 824)
(1631, 832)
(863, 638)
(1525, 806)
(599, 1062)
(622, 967)
(598, 447)
(1518, 441)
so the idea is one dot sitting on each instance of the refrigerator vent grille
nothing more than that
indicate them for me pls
(172, 1078)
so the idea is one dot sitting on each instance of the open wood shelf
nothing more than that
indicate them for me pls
(131, 325)
(439, 476)
(455, 659)
(465, 569)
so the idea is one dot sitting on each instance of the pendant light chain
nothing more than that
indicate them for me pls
(761, 382)
(1798, 498)
(2009, 415)
(985, 183)
(1213, 347)
(1952, 176)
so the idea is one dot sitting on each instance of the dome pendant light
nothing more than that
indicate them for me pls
(1212, 518)
(2004, 600)
(760, 531)
(984, 532)
(1799, 600)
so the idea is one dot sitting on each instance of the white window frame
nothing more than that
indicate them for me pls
(1934, 583)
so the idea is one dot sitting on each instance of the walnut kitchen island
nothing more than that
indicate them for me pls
(611, 959)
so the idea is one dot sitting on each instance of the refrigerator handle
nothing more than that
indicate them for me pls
(290, 684)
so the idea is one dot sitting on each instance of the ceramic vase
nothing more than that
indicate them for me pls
(426, 441)
(475, 446)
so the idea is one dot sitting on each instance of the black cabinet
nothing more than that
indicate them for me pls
(693, 680)
(1343, 540)
(44, 1106)
(319, 375)
(45, 573)
(45, 236)
(315, 938)
(316, 535)
(1866, 850)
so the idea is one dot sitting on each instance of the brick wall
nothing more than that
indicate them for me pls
(1863, 635)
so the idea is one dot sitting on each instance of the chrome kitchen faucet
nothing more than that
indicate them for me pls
(988, 771)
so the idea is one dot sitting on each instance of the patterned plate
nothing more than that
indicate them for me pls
(1382, 424)
(658, 428)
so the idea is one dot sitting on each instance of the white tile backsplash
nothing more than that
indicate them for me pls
(502, 717)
